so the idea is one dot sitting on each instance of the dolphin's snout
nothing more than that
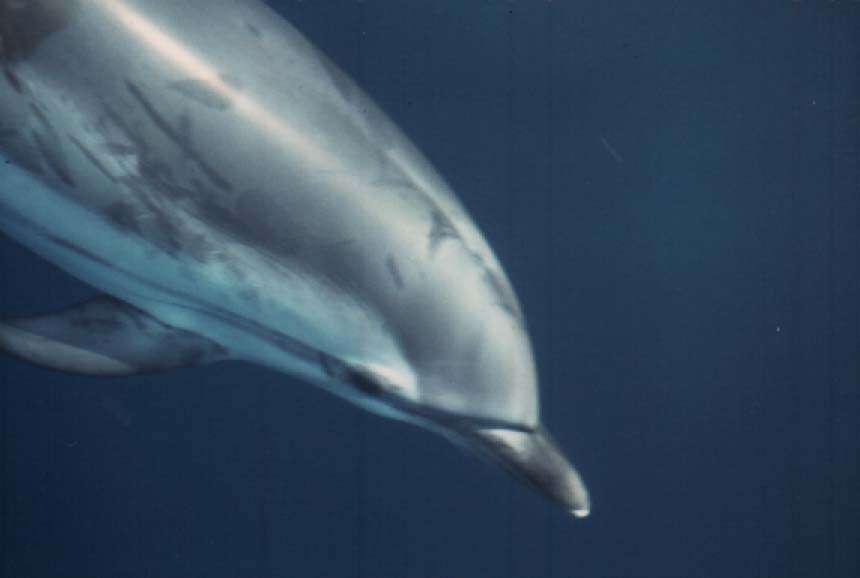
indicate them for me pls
(534, 457)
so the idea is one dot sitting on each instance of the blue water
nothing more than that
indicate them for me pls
(674, 188)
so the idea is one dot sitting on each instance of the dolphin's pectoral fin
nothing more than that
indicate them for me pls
(104, 336)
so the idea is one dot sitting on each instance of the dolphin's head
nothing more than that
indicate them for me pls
(467, 371)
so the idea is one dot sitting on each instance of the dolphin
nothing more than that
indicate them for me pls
(233, 195)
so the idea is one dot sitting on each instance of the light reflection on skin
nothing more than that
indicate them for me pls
(197, 68)
(326, 164)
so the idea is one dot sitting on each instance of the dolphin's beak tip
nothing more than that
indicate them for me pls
(535, 458)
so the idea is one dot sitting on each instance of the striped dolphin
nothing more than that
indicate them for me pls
(234, 195)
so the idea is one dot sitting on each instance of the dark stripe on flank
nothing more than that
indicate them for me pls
(92, 158)
(12, 79)
(53, 157)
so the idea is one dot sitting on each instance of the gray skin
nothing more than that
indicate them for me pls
(236, 196)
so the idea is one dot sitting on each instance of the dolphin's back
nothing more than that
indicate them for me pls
(244, 99)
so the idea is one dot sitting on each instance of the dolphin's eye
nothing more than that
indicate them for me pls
(365, 382)
(358, 376)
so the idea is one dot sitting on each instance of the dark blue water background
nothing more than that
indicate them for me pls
(674, 189)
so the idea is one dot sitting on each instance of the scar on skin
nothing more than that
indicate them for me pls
(394, 271)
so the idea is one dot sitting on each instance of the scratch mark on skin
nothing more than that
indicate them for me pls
(53, 158)
(92, 158)
(41, 116)
(151, 220)
(178, 138)
(123, 216)
(13, 79)
(56, 163)
(611, 150)
(394, 271)
(441, 228)
(504, 296)
(136, 146)
(253, 30)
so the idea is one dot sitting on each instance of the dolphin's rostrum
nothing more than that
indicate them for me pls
(235, 196)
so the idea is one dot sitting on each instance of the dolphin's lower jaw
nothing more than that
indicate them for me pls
(533, 457)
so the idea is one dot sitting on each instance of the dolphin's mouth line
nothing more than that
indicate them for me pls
(460, 422)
